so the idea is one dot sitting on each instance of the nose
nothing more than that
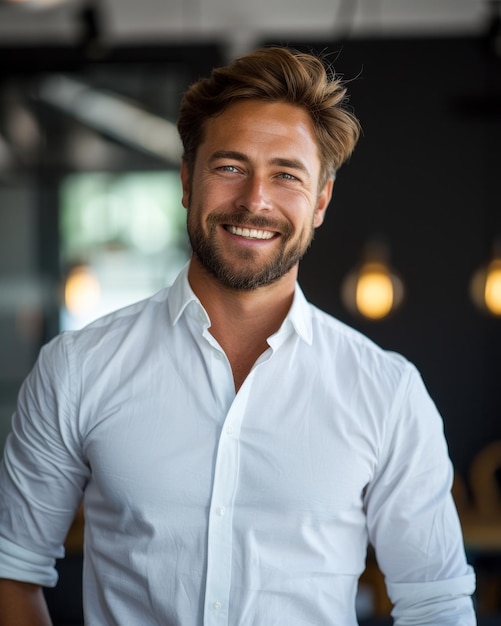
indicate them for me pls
(254, 195)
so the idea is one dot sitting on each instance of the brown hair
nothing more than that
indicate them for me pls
(275, 74)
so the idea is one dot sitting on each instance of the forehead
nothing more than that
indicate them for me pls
(253, 125)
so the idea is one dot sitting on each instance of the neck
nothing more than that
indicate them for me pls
(242, 321)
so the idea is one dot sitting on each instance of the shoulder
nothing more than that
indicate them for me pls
(378, 382)
(382, 388)
(346, 346)
(129, 325)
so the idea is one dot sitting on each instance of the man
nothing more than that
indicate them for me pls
(236, 449)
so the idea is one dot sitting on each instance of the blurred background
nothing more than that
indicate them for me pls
(410, 253)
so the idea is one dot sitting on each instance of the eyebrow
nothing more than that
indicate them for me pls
(228, 154)
(294, 164)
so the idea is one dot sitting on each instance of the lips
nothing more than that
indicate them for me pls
(250, 233)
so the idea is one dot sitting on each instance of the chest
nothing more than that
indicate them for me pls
(168, 446)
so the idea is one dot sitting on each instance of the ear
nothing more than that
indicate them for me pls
(323, 202)
(185, 181)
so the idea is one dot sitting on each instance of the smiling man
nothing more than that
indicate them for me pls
(235, 448)
(264, 186)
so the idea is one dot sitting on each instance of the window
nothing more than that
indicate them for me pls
(123, 237)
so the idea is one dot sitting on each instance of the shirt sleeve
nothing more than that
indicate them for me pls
(43, 472)
(17, 563)
(412, 520)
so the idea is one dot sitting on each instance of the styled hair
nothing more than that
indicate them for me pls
(275, 74)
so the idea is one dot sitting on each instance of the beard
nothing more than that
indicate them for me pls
(246, 275)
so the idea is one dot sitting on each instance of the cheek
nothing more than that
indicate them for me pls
(210, 195)
(302, 214)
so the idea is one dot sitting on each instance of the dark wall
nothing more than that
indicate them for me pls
(425, 178)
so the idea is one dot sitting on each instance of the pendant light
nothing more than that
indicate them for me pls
(485, 285)
(373, 289)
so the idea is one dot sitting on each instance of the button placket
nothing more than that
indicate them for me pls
(220, 371)
(219, 563)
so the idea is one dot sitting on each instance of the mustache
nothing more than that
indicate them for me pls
(251, 221)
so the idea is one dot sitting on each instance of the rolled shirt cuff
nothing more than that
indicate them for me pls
(444, 602)
(17, 563)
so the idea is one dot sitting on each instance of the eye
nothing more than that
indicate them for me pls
(287, 176)
(228, 168)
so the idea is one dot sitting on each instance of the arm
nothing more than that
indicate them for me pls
(41, 475)
(22, 604)
(412, 521)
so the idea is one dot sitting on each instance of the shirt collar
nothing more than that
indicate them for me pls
(181, 296)
(299, 317)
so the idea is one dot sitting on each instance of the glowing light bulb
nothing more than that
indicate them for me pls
(492, 289)
(374, 296)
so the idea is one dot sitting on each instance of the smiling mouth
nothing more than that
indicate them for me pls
(250, 233)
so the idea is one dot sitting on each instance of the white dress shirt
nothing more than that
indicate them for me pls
(208, 507)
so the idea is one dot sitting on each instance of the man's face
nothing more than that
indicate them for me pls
(253, 199)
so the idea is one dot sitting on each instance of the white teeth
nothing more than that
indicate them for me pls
(250, 233)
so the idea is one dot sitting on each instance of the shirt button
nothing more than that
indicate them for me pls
(219, 355)
(229, 430)
(221, 511)
(217, 605)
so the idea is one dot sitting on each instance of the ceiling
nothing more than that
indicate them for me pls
(236, 23)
